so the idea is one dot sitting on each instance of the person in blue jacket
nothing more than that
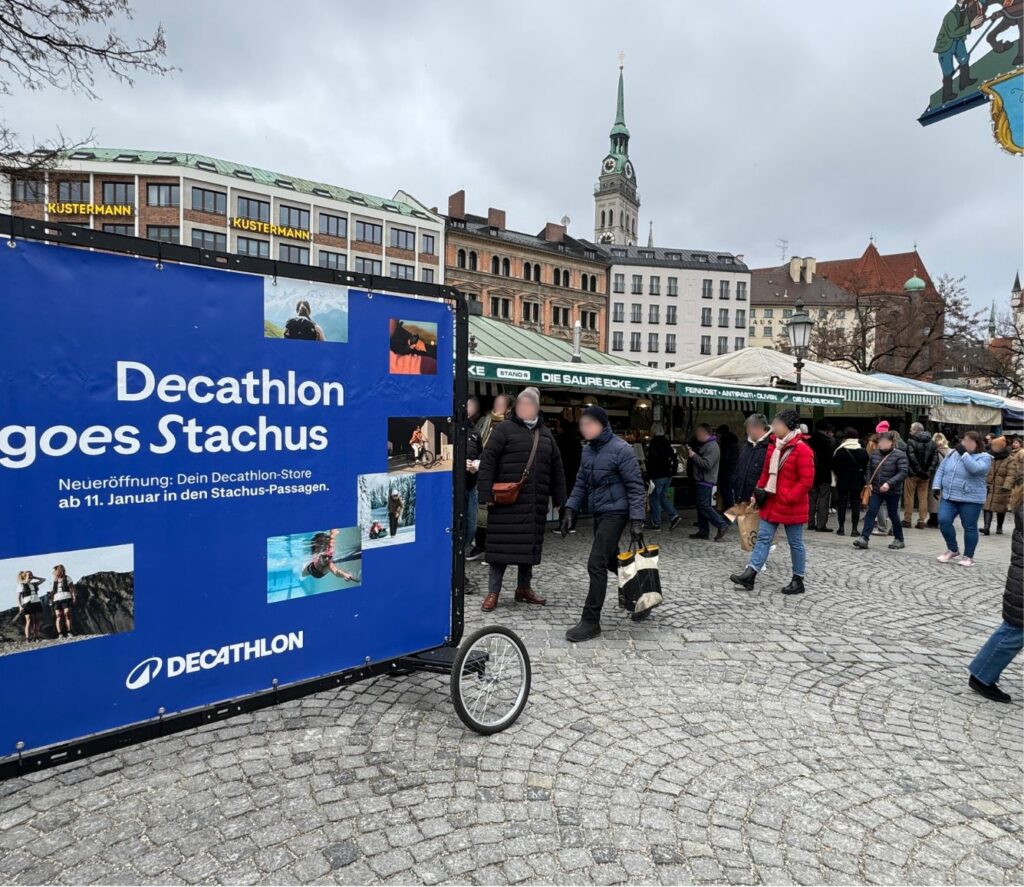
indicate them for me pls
(961, 486)
(610, 484)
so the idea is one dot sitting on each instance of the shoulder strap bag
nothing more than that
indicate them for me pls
(865, 493)
(508, 492)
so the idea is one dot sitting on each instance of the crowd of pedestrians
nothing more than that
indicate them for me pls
(794, 480)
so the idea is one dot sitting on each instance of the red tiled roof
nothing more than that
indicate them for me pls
(874, 273)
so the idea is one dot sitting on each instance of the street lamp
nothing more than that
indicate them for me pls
(1002, 387)
(799, 331)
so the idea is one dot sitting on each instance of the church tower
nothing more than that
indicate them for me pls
(616, 202)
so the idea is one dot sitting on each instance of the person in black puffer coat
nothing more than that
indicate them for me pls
(751, 457)
(849, 462)
(610, 484)
(515, 532)
(923, 456)
(1007, 640)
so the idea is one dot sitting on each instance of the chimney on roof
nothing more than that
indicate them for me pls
(795, 264)
(457, 205)
(810, 266)
(496, 218)
(739, 258)
(554, 233)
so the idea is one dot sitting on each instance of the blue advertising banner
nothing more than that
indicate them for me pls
(210, 481)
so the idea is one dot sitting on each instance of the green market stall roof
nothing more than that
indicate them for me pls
(767, 367)
(501, 352)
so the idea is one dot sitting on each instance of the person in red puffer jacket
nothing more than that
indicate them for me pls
(782, 498)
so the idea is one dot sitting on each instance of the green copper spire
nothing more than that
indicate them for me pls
(619, 129)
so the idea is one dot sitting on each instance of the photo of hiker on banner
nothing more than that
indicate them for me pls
(298, 309)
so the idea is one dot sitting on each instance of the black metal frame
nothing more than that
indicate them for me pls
(436, 659)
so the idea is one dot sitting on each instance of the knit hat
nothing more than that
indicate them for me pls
(882, 427)
(530, 394)
(597, 413)
(789, 418)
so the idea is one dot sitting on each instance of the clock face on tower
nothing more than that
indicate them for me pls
(609, 164)
(629, 170)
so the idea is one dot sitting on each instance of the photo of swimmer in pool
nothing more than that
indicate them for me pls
(306, 564)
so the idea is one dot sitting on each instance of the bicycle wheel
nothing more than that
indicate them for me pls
(429, 460)
(490, 681)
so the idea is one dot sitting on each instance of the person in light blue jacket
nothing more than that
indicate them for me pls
(961, 486)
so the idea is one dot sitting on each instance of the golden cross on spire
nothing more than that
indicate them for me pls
(622, 59)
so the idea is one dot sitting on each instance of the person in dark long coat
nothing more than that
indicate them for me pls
(751, 457)
(515, 532)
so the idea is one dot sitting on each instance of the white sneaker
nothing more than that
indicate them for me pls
(967, 562)
(947, 557)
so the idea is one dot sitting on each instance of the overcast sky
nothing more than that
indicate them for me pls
(750, 121)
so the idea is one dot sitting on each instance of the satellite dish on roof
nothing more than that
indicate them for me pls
(566, 220)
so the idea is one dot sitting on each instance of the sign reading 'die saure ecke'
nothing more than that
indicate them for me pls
(207, 486)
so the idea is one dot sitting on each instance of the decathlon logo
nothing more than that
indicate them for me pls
(203, 660)
(144, 672)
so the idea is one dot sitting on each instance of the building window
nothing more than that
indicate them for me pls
(634, 341)
(705, 317)
(75, 192)
(617, 341)
(506, 268)
(705, 344)
(670, 314)
(787, 312)
(751, 331)
(655, 286)
(472, 260)
(120, 193)
(123, 230)
(706, 289)
(768, 313)
(618, 312)
(298, 255)
(368, 232)
(741, 318)
(428, 244)
(561, 316)
(250, 208)
(209, 240)
(840, 314)
(723, 289)
(536, 273)
(753, 313)
(638, 284)
(652, 315)
(500, 307)
(164, 233)
(637, 313)
(822, 314)
(723, 344)
(673, 286)
(460, 259)
(368, 266)
(337, 226)
(203, 200)
(293, 217)
(402, 239)
(531, 312)
(670, 343)
(669, 366)
(427, 275)
(588, 320)
(334, 261)
(767, 332)
(251, 246)
(741, 290)
(495, 265)
(723, 316)
(619, 283)
(738, 343)
(163, 195)
(527, 270)
(652, 341)
(28, 191)
(403, 272)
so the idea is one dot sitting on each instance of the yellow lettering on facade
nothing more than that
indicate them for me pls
(89, 209)
(269, 228)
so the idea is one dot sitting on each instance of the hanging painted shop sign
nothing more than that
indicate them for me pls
(801, 398)
(585, 379)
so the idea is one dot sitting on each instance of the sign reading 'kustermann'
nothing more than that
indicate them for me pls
(258, 227)
(89, 209)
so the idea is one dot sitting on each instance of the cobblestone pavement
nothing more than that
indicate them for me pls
(741, 737)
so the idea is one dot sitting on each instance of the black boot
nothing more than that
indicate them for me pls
(965, 77)
(947, 89)
(986, 530)
(746, 578)
(796, 586)
(583, 631)
(999, 523)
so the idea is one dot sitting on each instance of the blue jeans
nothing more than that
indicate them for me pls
(795, 537)
(969, 512)
(472, 504)
(891, 500)
(958, 51)
(659, 500)
(706, 513)
(997, 653)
